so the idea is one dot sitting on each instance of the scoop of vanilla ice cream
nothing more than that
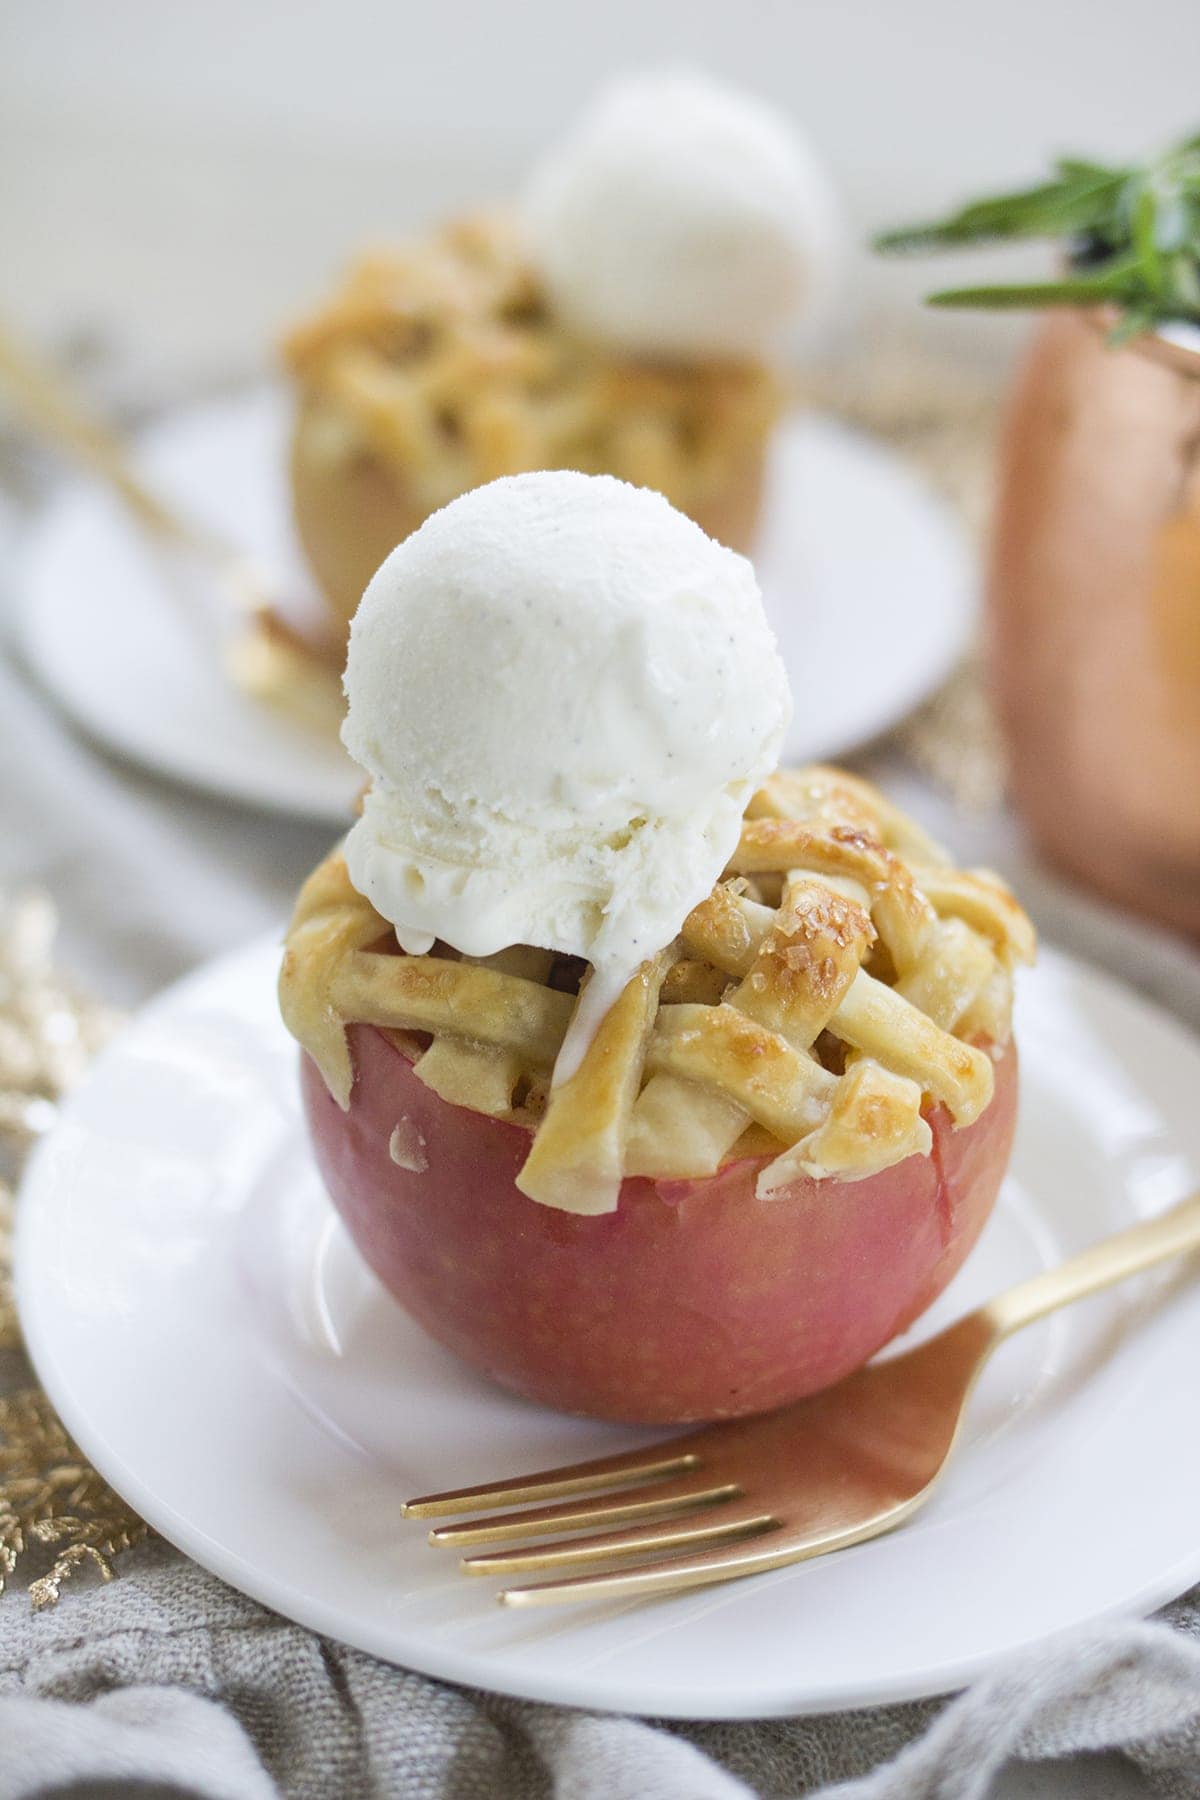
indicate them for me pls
(564, 694)
(681, 218)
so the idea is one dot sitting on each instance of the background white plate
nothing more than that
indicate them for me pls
(223, 1356)
(866, 576)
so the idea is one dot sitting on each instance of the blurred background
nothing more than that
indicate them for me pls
(180, 174)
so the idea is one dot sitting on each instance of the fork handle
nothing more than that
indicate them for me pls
(1113, 1259)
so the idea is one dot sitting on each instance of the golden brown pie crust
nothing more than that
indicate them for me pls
(841, 978)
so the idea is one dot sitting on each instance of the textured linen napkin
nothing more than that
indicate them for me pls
(170, 1678)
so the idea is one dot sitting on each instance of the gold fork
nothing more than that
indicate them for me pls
(740, 1498)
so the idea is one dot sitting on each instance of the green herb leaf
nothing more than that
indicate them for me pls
(1033, 293)
(1074, 166)
(1058, 209)
(1131, 237)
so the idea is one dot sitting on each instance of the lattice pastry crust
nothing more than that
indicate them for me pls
(445, 360)
(841, 978)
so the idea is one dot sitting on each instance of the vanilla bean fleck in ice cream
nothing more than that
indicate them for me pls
(564, 694)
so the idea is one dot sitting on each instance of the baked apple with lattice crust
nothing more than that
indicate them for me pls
(695, 1300)
(658, 1085)
(629, 314)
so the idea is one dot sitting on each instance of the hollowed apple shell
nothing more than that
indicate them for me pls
(694, 1300)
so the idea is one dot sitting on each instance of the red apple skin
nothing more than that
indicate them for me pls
(692, 1301)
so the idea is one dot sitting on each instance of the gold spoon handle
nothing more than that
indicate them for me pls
(1113, 1259)
(52, 410)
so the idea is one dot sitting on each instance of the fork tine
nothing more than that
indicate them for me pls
(632, 1541)
(726, 1562)
(665, 1498)
(548, 1484)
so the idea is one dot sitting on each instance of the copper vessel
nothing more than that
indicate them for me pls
(1094, 610)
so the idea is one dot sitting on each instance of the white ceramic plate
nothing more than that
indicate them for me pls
(865, 572)
(220, 1352)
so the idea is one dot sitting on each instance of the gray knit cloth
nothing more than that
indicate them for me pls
(168, 1677)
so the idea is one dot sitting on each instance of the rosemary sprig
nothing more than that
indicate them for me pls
(1131, 238)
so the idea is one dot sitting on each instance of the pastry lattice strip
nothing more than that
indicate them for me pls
(755, 1047)
(763, 1026)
